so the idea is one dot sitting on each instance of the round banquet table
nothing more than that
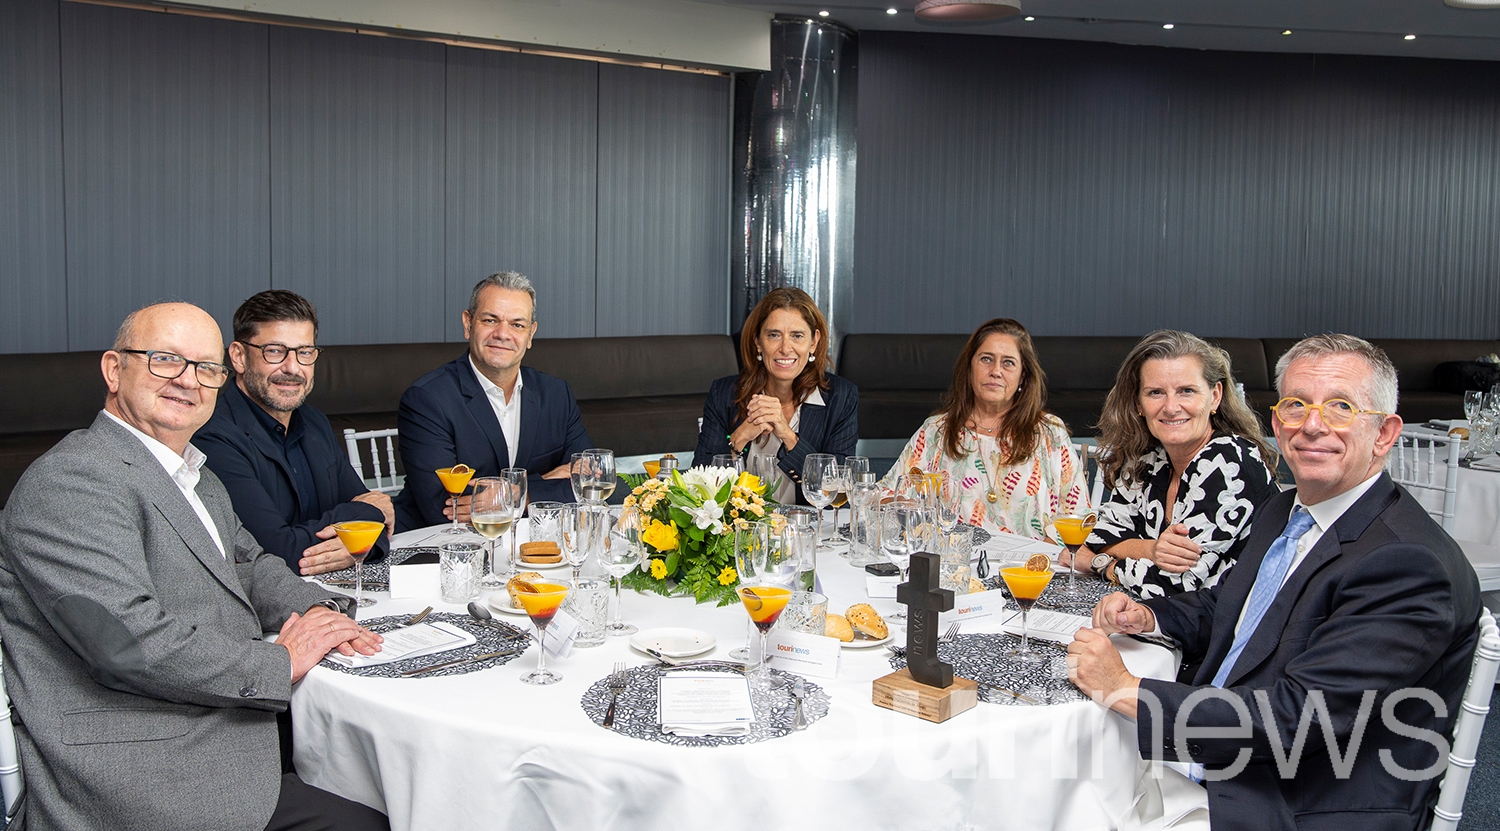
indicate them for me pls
(484, 750)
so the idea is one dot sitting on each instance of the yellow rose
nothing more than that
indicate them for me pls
(662, 537)
(727, 576)
(658, 568)
(749, 482)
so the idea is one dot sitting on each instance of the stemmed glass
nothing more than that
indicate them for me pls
(749, 549)
(1025, 586)
(513, 498)
(1074, 530)
(817, 475)
(541, 606)
(944, 496)
(900, 523)
(455, 479)
(579, 475)
(491, 517)
(730, 460)
(359, 537)
(573, 529)
(621, 553)
(1473, 403)
(601, 474)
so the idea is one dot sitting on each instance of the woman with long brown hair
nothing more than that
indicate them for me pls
(1186, 464)
(1012, 459)
(784, 403)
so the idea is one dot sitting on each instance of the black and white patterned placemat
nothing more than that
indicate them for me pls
(636, 713)
(497, 636)
(1002, 679)
(1091, 589)
(377, 575)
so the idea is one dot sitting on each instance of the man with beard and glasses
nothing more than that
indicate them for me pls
(286, 471)
(483, 409)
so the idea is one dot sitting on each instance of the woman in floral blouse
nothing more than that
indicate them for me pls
(1185, 464)
(1013, 460)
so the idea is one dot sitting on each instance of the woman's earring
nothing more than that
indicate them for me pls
(760, 358)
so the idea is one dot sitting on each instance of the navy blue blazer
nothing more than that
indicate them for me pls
(254, 469)
(1385, 601)
(445, 418)
(831, 428)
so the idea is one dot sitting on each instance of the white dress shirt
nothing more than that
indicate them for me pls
(508, 413)
(185, 472)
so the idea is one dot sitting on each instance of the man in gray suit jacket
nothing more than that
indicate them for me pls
(132, 604)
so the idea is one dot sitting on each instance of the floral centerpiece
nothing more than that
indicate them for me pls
(688, 527)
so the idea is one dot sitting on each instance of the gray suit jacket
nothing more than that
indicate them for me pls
(144, 694)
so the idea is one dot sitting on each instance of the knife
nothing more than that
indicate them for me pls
(469, 660)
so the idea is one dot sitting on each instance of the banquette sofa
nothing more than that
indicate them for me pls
(644, 394)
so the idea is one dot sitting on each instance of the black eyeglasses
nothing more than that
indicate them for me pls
(171, 365)
(275, 353)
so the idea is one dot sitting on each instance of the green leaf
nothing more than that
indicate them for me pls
(722, 497)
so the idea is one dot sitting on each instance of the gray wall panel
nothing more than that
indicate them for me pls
(164, 143)
(33, 273)
(1099, 189)
(356, 131)
(663, 253)
(521, 171)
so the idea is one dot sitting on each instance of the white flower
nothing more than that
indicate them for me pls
(710, 479)
(708, 517)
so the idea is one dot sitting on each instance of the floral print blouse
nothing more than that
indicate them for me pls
(1215, 500)
(1028, 494)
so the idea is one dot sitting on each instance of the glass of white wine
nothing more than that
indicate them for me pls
(491, 518)
(600, 483)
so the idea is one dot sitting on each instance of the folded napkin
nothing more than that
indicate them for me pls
(694, 731)
(1491, 463)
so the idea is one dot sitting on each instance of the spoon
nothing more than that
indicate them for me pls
(481, 614)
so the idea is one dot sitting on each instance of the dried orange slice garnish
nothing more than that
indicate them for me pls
(459, 468)
(1038, 562)
(751, 599)
(523, 586)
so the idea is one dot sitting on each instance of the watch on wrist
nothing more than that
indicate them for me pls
(1099, 563)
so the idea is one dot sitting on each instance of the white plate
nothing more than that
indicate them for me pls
(858, 643)
(673, 642)
(522, 565)
(500, 602)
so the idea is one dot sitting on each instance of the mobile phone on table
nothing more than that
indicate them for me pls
(883, 569)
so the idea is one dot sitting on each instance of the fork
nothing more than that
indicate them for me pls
(616, 685)
(946, 637)
(418, 617)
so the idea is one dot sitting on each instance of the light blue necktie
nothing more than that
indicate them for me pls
(1268, 582)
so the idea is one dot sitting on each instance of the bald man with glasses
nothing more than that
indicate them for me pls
(1348, 600)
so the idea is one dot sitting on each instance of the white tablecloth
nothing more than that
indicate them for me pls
(484, 750)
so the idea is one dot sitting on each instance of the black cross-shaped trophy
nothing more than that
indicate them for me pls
(924, 600)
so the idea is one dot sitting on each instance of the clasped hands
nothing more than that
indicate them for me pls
(764, 416)
(311, 635)
(331, 555)
(1094, 664)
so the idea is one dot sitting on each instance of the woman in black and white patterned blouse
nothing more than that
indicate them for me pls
(1185, 464)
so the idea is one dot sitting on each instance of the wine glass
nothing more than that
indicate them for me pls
(541, 606)
(730, 460)
(601, 481)
(358, 538)
(455, 479)
(945, 498)
(573, 526)
(817, 470)
(857, 465)
(838, 481)
(900, 523)
(578, 475)
(513, 499)
(1074, 530)
(1473, 403)
(749, 556)
(764, 602)
(491, 517)
(621, 553)
(1025, 586)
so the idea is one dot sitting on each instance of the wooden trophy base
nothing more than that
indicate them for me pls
(904, 694)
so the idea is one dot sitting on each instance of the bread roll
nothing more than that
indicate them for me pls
(864, 619)
(837, 626)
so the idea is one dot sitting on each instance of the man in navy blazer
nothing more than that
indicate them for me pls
(487, 411)
(1350, 607)
(287, 474)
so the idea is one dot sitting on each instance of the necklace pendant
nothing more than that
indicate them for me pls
(992, 496)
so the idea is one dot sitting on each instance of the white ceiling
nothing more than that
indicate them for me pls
(1361, 27)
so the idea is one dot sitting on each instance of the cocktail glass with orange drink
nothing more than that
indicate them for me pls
(1073, 530)
(541, 599)
(455, 479)
(358, 538)
(1026, 584)
(764, 603)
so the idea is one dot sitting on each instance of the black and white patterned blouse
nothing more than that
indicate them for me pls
(1215, 499)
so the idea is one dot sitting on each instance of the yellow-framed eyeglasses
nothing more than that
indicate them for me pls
(1335, 412)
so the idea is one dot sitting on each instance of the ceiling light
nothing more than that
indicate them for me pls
(967, 10)
(1410, 37)
(1473, 4)
(1168, 26)
(1286, 31)
(890, 11)
(1029, 18)
(822, 14)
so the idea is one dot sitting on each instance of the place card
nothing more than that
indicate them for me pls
(815, 656)
(409, 642)
(988, 606)
(704, 704)
(561, 633)
(417, 577)
(877, 586)
(1049, 626)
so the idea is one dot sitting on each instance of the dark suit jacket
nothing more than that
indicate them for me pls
(446, 418)
(145, 696)
(831, 428)
(253, 468)
(1384, 601)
